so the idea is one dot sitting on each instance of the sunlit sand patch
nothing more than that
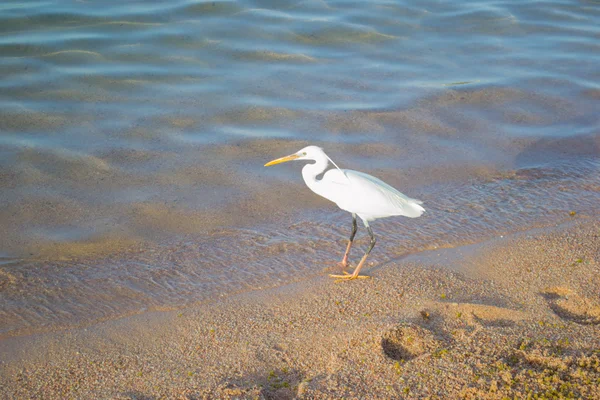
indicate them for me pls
(570, 306)
(487, 314)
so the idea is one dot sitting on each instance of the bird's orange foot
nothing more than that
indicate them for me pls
(348, 277)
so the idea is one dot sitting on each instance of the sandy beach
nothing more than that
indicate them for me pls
(514, 317)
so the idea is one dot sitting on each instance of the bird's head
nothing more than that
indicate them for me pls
(307, 153)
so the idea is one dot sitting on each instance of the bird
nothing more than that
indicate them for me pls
(360, 194)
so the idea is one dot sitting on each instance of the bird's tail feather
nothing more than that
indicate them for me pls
(414, 209)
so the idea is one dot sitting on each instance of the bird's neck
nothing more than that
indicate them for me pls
(310, 173)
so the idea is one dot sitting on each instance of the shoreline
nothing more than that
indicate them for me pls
(515, 316)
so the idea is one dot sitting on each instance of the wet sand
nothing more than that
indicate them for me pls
(514, 316)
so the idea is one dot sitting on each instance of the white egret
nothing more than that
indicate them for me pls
(356, 192)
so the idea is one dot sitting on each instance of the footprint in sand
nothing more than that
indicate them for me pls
(569, 306)
(408, 341)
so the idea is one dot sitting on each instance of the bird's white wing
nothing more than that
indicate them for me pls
(366, 195)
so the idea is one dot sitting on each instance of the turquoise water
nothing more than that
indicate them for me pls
(133, 137)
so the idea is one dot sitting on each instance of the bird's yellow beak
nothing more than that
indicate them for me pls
(282, 159)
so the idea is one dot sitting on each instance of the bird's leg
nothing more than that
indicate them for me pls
(344, 262)
(355, 274)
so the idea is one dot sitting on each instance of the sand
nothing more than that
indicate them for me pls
(514, 317)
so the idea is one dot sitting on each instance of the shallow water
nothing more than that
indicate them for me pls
(133, 137)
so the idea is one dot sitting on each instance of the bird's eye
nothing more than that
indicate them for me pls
(304, 153)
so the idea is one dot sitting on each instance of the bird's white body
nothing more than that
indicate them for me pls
(356, 192)
(361, 194)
